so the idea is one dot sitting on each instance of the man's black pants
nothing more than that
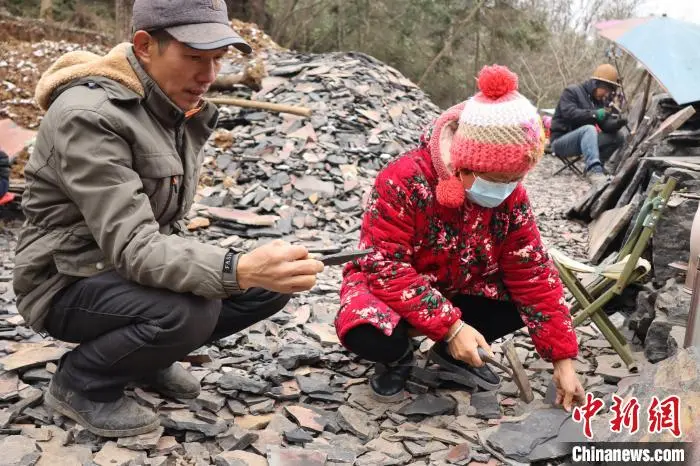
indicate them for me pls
(127, 331)
(493, 319)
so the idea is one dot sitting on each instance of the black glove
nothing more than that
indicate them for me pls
(612, 123)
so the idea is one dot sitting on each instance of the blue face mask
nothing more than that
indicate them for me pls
(488, 193)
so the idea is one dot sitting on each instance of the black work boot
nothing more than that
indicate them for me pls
(482, 377)
(123, 417)
(174, 381)
(388, 386)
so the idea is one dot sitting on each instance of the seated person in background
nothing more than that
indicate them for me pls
(457, 255)
(5, 196)
(581, 107)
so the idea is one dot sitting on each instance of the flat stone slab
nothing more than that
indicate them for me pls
(486, 405)
(113, 455)
(278, 456)
(307, 418)
(144, 442)
(429, 405)
(239, 458)
(357, 422)
(32, 357)
(517, 439)
(17, 449)
(184, 420)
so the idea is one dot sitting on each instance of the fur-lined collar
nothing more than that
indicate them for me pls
(81, 64)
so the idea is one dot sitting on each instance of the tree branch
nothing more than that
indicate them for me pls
(447, 46)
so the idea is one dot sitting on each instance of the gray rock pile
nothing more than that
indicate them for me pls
(291, 173)
(660, 320)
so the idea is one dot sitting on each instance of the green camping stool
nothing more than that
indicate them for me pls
(620, 270)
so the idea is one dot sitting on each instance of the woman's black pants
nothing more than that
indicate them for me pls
(493, 319)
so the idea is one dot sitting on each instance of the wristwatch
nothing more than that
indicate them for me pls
(228, 273)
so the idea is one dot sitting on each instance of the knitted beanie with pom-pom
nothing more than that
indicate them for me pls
(499, 131)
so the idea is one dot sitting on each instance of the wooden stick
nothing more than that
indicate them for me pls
(229, 81)
(645, 100)
(294, 110)
(519, 375)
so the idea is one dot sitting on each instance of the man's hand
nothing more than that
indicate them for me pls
(600, 114)
(569, 388)
(464, 345)
(278, 266)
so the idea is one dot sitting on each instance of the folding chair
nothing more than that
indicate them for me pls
(568, 161)
(619, 271)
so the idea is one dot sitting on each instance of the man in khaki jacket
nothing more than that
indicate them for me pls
(114, 171)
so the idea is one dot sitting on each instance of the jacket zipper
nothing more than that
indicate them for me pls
(173, 188)
(173, 179)
(179, 139)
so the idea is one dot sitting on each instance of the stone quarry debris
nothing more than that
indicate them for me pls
(429, 405)
(284, 383)
(518, 439)
(31, 357)
(486, 405)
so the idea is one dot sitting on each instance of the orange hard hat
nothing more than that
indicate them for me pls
(606, 73)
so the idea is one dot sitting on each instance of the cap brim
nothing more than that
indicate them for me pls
(208, 36)
(612, 83)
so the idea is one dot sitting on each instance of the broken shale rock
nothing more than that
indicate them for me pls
(357, 422)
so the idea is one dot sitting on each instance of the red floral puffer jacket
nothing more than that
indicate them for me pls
(424, 251)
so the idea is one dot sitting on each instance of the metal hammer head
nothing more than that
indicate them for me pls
(516, 371)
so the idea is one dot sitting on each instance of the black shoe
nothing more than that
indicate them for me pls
(123, 417)
(174, 381)
(482, 377)
(388, 386)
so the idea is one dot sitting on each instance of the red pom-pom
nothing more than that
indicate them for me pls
(496, 81)
(450, 192)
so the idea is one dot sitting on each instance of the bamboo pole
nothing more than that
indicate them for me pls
(294, 110)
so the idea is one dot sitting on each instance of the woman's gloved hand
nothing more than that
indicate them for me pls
(464, 344)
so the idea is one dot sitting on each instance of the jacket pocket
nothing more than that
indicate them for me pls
(161, 176)
(84, 264)
(78, 255)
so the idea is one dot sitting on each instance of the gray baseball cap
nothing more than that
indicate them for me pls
(200, 24)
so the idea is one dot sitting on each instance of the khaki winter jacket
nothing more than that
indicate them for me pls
(112, 175)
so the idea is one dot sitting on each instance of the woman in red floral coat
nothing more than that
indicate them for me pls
(457, 255)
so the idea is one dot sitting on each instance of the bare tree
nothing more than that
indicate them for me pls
(441, 46)
(46, 10)
(447, 45)
(123, 10)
